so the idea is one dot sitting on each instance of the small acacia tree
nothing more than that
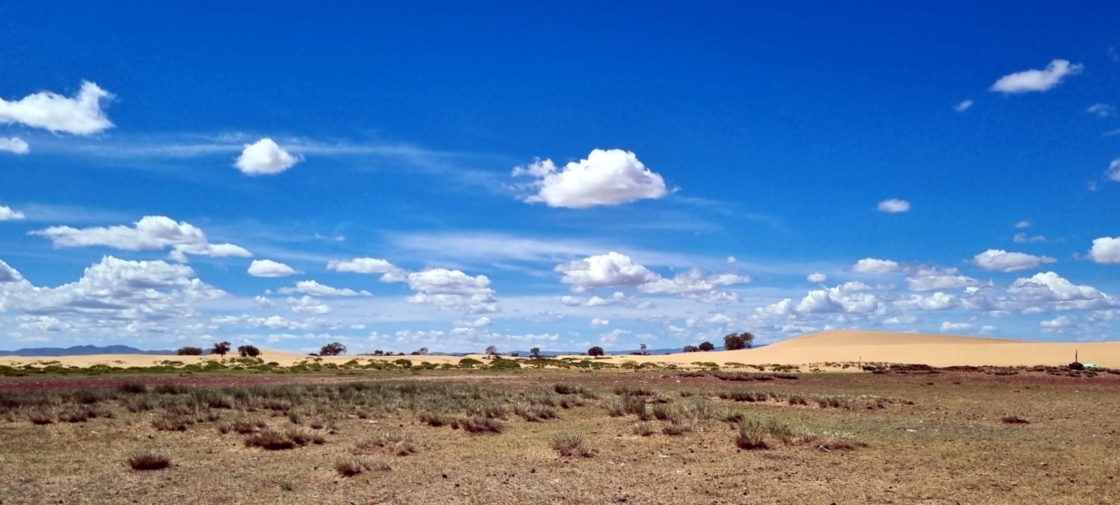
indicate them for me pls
(691, 348)
(492, 351)
(535, 352)
(332, 349)
(595, 351)
(220, 348)
(189, 351)
(643, 347)
(248, 351)
(735, 342)
(706, 346)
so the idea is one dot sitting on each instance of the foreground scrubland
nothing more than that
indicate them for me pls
(577, 435)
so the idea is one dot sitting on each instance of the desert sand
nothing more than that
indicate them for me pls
(815, 349)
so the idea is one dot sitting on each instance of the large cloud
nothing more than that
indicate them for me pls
(9, 274)
(117, 293)
(606, 177)
(7, 214)
(1003, 261)
(390, 272)
(264, 157)
(1036, 80)
(269, 268)
(80, 115)
(872, 266)
(14, 145)
(151, 233)
(1065, 295)
(1106, 250)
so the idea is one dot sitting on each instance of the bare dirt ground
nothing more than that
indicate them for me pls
(927, 439)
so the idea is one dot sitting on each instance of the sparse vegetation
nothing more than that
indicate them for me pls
(150, 459)
(571, 444)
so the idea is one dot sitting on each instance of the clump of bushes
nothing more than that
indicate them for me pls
(272, 439)
(150, 459)
(479, 424)
(350, 467)
(571, 444)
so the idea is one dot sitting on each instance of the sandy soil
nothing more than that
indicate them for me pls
(815, 349)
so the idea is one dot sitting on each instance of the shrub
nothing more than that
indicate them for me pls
(1015, 420)
(248, 351)
(733, 342)
(691, 348)
(332, 349)
(706, 346)
(479, 424)
(568, 389)
(469, 363)
(434, 419)
(171, 421)
(752, 435)
(133, 388)
(220, 348)
(644, 429)
(273, 439)
(595, 351)
(571, 444)
(675, 429)
(503, 364)
(350, 467)
(189, 351)
(170, 389)
(149, 460)
(242, 426)
(397, 444)
(534, 413)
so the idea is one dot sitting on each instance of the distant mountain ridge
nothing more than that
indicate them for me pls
(82, 350)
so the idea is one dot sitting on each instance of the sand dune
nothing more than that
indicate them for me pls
(818, 348)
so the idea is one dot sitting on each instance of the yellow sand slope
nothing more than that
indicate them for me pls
(827, 347)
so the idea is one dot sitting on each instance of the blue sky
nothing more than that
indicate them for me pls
(452, 176)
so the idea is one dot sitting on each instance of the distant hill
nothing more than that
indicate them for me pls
(82, 350)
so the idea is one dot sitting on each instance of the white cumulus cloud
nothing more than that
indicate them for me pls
(817, 278)
(150, 233)
(14, 145)
(894, 205)
(9, 274)
(873, 266)
(1105, 250)
(269, 268)
(1003, 261)
(949, 326)
(264, 157)
(1036, 80)
(929, 279)
(315, 289)
(388, 271)
(605, 270)
(452, 289)
(606, 177)
(79, 115)
(599, 323)
(7, 214)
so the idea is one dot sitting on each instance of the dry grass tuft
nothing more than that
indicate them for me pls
(150, 459)
(571, 444)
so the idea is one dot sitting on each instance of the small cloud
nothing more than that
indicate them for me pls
(1023, 238)
(963, 106)
(872, 266)
(894, 205)
(79, 115)
(817, 278)
(1113, 172)
(1111, 133)
(1036, 80)
(1022, 225)
(1102, 110)
(7, 214)
(1105, 250)
(948, 326)
(264, 157)
(1003, 261)
(599, 323)
(732, 259)
(269, 268)
(14, 145)
(606, 177)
